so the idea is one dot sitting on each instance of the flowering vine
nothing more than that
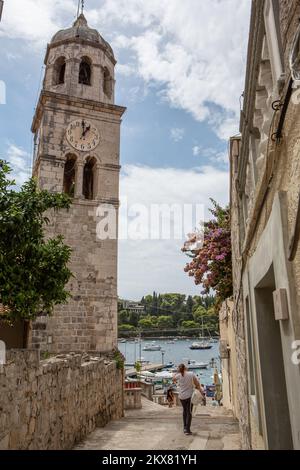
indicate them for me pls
(211, 264)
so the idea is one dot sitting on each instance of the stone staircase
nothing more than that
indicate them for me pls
(155, 427)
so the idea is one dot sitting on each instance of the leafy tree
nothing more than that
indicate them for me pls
(123, 316)
(199, 313)
(146, 323)
(154, 319)
(189, 324)
(189, 304)
(154, 309)
(211, 263)
(33, 270)
(133, 318)
(164, 322)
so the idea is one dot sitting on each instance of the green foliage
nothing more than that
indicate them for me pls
(199, 313)
(189, 324)
(171, 310)
(119, 358)
(189, 304)
(45, 355)
(164, 322)
(33, 270)
(147, 323)
(133, 318)
(123, 317)
(138, 367)
(126, 327)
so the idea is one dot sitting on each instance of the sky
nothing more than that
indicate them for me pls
(180, 73)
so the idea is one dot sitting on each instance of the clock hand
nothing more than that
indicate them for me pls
(86, 130)
(83, 128)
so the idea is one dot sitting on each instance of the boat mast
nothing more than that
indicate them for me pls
(140, 346)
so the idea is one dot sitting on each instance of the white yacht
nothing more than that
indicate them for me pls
(197, 365)
(152, 347)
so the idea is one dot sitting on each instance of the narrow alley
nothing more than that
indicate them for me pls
(155, 427)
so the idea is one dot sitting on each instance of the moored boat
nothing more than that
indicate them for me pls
(152, 347)
(169, 365)
(197, 365)
(201, 345)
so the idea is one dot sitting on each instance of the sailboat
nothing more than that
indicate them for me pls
(201, 344)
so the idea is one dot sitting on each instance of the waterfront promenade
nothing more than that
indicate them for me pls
(146, 368)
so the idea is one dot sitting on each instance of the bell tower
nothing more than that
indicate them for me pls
(76, 130)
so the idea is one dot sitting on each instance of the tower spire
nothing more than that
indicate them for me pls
(80, 7)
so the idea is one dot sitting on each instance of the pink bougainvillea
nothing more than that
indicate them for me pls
(211, 264)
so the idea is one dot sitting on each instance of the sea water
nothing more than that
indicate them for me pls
(176, 353)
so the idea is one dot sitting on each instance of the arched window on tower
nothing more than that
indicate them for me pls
(85, 71)
(107, 82)
(70, 175)
(89, 171)
(59, 71)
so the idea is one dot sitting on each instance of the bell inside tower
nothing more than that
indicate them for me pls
(69, 176)
(88, 179)
(85, 71)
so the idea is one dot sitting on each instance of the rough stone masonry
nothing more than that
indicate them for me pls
(53, 404)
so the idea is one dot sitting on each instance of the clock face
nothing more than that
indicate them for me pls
(82, 135)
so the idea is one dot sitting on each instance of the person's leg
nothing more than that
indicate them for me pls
(189, 410)
(183, 403)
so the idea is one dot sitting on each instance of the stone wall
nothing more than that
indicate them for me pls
(228, 357)
(260, 176)
(54, 403)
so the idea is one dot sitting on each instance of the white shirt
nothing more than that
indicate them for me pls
(186, 384)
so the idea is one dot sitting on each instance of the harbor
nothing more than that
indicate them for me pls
(166, 354)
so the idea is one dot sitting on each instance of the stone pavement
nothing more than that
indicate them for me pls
(155, 427)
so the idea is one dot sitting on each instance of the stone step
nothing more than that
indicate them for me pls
(155, 427)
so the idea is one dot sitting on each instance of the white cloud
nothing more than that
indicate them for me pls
(19, 160)
(35, 20)
(213, 155)
(198, 63)
(177, 134)
(194, 50)
(125, 69)
(147, 265)
(196, 150)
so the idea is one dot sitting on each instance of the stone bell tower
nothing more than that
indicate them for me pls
(76, 130)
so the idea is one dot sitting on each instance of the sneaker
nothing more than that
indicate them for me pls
(188, 433)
